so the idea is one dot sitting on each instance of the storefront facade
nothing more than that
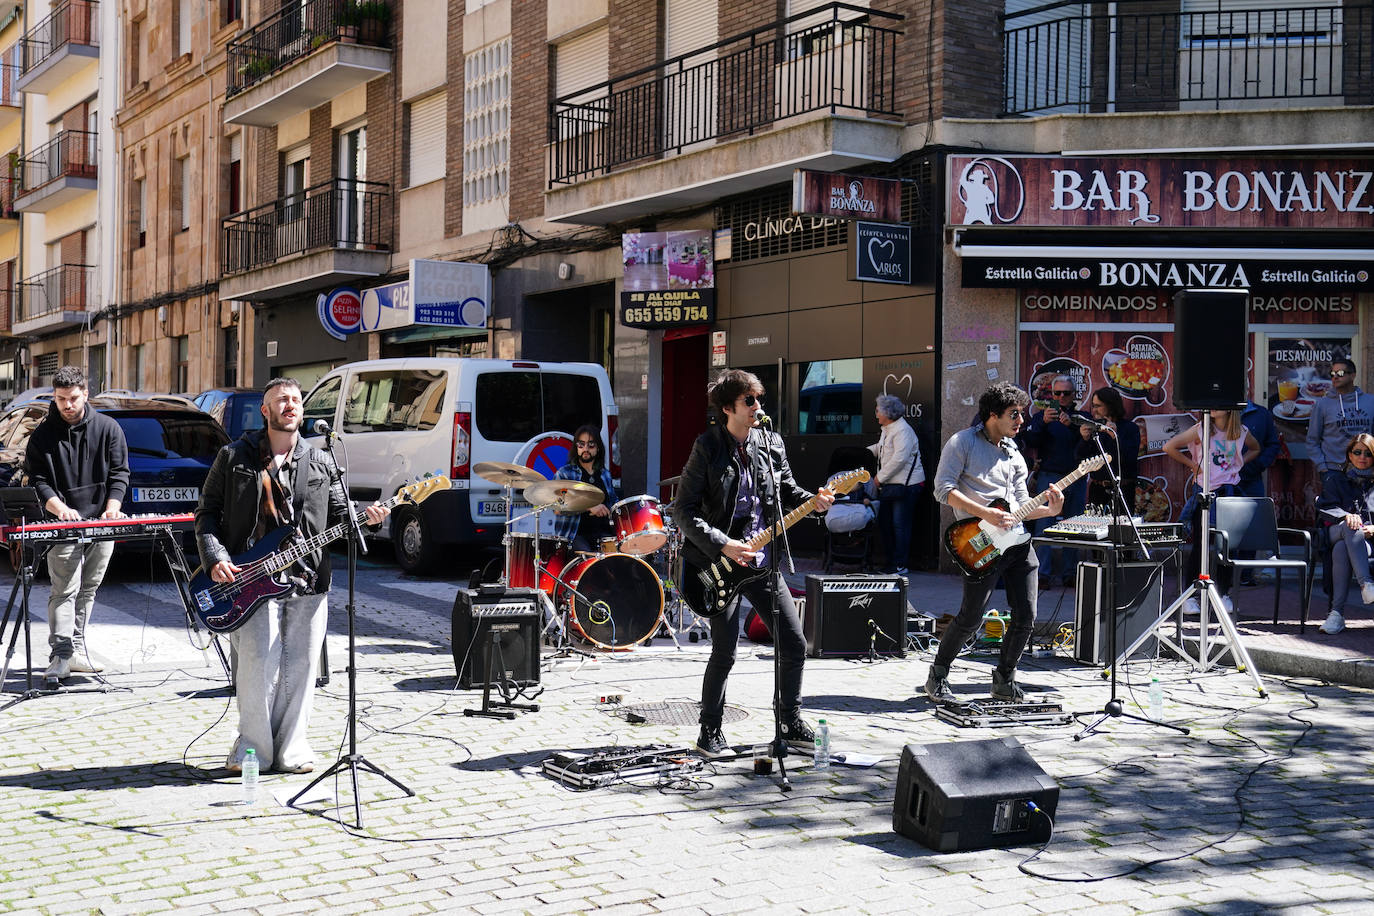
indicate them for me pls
(1089, 251)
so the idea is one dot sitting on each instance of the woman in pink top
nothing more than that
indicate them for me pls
(1228, 448)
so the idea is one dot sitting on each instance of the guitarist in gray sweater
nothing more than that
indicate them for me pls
(267, 479)
(721, 504)
(978, 466)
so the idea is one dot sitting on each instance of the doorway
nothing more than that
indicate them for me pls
(685, 374)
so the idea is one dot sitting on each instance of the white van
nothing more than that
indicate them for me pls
(400, 419)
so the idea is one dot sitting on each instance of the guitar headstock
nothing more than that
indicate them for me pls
(1088, 465)
(422, 489)
(843, 483)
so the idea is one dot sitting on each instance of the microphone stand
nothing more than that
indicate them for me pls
(1114, 708)
(770, 512)
(352, 761)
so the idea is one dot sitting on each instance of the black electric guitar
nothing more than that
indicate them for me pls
(709, 591)
(975, 544)
(225, 606)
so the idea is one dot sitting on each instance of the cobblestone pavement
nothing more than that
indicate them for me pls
(114, 801)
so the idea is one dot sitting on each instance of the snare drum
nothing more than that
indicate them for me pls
(520, 572)
(638, 525)
(615, 602)
(607, 545)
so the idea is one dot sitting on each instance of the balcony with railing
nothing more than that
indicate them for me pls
(1136, 55)
(303, 56)
(62, 169)
(55, 299)
(816, 90)
(327, 234)
(9, 186)
(60, 46)
(11, 99)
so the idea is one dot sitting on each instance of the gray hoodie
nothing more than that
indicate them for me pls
(1335, 420)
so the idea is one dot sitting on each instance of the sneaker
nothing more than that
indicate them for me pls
(234, 767)
(307, 767)
(939, 691)
(1334, 623)
(59, 669)
(798, 735)
(81, 664)
(711, 742)
(1226, 603)
(1191, 608)
(1367, 592)
(1004, 687)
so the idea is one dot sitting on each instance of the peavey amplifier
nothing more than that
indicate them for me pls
(845, 615)
(506, 618)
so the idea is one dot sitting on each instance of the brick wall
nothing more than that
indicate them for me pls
(530, 84)
(453, 181)
(268, 165)
(968, 80)
(385, 147)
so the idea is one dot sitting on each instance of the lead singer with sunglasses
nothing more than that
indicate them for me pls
(723, 500)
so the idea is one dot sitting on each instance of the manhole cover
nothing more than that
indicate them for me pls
(677, 712)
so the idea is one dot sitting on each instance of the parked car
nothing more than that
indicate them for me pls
(400, 419)
(171, 447)
(236, 409)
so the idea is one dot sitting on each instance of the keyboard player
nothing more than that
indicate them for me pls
(78, 462)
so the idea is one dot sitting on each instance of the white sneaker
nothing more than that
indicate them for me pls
(1226, 603)
(1191, 608)
(1367, 592)
(1334, 623)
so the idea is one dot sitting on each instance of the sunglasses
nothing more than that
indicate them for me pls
(586, 445)
(1063, 394)
(1016, 414)
(1361, 453)
(750, 400)
(1341, 373)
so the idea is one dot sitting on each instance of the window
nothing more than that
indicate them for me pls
(231, 356)
(579, 64)
(234, 196)
(140, 365)
(140, 197)
(231, 10)
(394, 401)
(830, 399)
(486, 124)
(183, 26)
(183, 348)
(428, 127)
(173, 435)
(517, 406)
(295, 178)
(134, 50)
(321, 403)
(46, 363)
(181, 184)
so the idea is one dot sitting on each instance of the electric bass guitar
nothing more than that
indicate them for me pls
(225, 606)
(975, 544)
(709, 591)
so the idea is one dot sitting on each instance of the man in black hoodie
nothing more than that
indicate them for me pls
(78, 462)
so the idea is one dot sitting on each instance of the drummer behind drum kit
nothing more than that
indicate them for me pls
(612, 599)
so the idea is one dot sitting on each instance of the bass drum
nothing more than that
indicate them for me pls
(615, 601)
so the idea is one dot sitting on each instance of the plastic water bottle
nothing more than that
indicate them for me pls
(822, 758)
(1156, 700)
(248, 778)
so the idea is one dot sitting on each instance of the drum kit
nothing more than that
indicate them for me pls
(612, 599)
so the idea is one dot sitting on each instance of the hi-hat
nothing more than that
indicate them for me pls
(670, 481)
(506, 474)
(564, 495)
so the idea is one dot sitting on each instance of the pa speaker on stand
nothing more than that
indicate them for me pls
(1211, 339)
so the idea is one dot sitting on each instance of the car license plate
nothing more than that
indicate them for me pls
(166, 494)
(498, 507)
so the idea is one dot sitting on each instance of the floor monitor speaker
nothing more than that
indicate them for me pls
(961, 795)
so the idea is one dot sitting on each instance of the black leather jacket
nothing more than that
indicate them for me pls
(710, 482)
(232, 495)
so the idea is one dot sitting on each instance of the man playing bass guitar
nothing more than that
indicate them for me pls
(267, 479)
(722, 502)
(978, 465)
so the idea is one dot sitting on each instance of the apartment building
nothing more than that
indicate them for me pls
(59, 266)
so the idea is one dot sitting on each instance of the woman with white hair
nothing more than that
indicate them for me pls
(900, 478)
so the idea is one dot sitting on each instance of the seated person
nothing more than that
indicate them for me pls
(586, 529)
(1346, 506)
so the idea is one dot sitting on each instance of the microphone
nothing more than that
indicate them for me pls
(321, 428)
(1089, 422)
(872, 625)
(762, 418)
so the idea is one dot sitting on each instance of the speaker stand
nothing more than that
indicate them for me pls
(508, 691)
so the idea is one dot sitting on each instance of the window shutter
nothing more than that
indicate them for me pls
(427, 138)
(582, 62)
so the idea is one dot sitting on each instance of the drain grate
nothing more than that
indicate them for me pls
(675, 712)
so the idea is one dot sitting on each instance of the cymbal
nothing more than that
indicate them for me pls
(670, 481)
(564, 495)
(507, 474)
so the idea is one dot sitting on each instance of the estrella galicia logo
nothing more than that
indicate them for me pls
(991, 190)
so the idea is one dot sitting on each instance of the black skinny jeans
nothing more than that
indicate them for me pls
(790, 646)
(1020, 570)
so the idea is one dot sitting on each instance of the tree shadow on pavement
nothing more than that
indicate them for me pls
(127, 776)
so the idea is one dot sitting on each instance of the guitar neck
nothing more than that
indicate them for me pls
(1031, 505)
(285, 558)
(764, 538)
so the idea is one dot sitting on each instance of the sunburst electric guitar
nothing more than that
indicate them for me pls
(709, 590)
(225, 606)
(975, 544)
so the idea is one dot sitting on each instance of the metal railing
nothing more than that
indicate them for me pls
(9, 187)
(68, 288)
(298, 30)
(71, 22)
(6, 309)
(10, 96)
(342, 213)
(833, 58)
(1136, 55)
(71, 154)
